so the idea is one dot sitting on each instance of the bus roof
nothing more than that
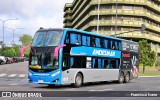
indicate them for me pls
(96, 34)
(91, 33)
(50, 29)
(84, 32)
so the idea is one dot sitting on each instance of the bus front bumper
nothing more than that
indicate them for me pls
(44, 79)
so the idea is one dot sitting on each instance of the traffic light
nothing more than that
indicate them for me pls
(143, 28)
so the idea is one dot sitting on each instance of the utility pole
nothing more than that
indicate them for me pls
(99, 1)
(3, 21)
(116, 18)
(13, 31)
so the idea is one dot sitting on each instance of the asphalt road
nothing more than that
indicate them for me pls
(13, 77)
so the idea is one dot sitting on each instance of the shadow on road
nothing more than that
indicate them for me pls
(90, 84)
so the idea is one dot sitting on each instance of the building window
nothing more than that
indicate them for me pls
(127, 7)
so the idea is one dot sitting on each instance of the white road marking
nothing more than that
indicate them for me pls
(22, 75)
(1, 75)
(12, 75)
(101, 90)
(69, 89)
(13, 84)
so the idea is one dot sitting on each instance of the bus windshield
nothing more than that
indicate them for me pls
(44, 61)
(47, 38)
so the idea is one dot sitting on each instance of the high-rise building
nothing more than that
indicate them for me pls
(110, 17)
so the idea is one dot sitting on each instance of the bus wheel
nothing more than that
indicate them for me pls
(78, 81)
(127, 78)
(121, 78)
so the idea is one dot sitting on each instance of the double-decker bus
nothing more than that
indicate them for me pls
(70, 56)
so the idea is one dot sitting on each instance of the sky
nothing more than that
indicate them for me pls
(31, 15)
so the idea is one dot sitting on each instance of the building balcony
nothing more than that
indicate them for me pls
(127, 12)
(158, 49)
(119, 12)
(67, 5)
(67, 12)
(135, 2)
(68, 18)
(132, 35)
(67, 25)
(76, 5)
(76, 14)
(121, 23)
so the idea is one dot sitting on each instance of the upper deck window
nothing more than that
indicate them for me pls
(47, 38)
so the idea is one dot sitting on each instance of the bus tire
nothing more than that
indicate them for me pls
(121, 78)
(78, 81)
(127, 78)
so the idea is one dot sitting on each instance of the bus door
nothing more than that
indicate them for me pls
(65, 68)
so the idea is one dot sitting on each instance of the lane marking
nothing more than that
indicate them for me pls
(1, 75)
(12, 75)
(13, 84)
(101, 90)
(22, 75)
(70, 89)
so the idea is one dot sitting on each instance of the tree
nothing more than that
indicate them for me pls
(25, 39)
(158, 62)
(8, 52)
(147, 56)
(17, 50)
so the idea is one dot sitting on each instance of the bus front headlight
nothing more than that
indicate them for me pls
(30, 74)
(55, 74)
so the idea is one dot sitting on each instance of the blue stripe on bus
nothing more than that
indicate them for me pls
(91, 51)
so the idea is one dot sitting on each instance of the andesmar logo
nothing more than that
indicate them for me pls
(103, 52)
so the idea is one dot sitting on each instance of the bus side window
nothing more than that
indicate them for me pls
(119, 45)
(88, 40)
(98, 42)
(105, 43)
(67, 38)
(113, 45)
(84, 41)
(78, 40)
(102, 43)
(114, 64)
(71, 61)
(73, 38)
(109, 44)
(116, 46)
(92, 41)
(105, 64)
(96, 63)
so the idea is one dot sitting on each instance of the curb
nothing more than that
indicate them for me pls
(148, 76)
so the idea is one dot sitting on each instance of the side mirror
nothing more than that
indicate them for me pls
(57, 50)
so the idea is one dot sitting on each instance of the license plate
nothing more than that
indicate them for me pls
(40, 81)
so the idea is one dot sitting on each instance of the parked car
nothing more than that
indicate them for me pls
(2, 60)
(9, 60)
(22, 59)
(16, 59)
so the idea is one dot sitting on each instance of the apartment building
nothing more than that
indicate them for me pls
(110, 19)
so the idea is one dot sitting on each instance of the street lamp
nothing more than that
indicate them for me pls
(116, 18)
(99, 1)
(14, 31)
(3, 21)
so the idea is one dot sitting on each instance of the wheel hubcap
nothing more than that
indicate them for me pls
(127, 78)
(78, 80)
